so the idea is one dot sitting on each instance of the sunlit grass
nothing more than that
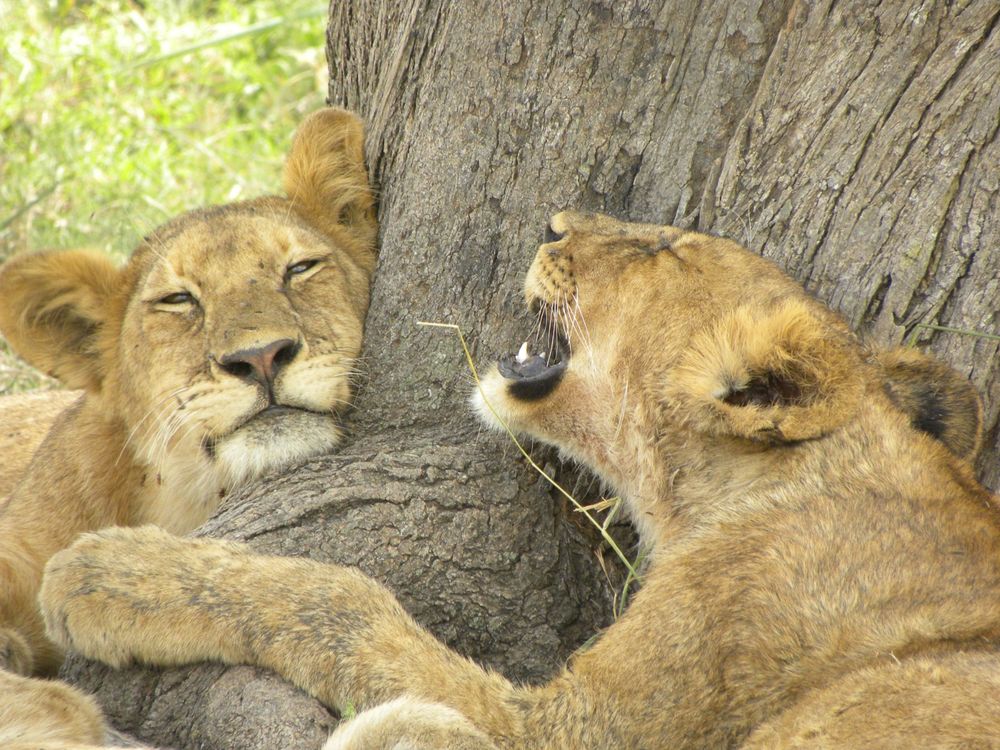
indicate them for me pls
(17, 376)
(105, 132)
(116, 115)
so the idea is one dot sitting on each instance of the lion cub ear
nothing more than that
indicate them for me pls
(937, 399)
(327, 182)
(787, 374)
(53, 306)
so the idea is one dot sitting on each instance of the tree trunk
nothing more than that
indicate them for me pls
(853, 142)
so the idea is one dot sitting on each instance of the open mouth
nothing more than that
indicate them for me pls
(538, 366)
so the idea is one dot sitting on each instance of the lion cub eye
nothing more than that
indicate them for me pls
(177, 298)
(297, 269)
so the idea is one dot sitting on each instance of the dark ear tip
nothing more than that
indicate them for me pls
(938, 400)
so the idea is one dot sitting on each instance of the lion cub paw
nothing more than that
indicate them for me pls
(411, 723)
(48, 713)
(15, 655)
(121, 595)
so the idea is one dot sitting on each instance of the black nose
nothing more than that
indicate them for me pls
(551, 235)
(260, 364)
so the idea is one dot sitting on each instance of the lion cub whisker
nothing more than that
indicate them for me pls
(157, 406)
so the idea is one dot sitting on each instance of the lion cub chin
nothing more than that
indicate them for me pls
(223, 349)
(274, 439)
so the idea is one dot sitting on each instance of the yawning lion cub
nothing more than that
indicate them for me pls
(224, 348)
(825, 573)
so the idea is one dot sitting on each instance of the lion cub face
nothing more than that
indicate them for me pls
(250, 320)
(226, 344)
(656, 347)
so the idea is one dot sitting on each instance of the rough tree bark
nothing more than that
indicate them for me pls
(856, 143)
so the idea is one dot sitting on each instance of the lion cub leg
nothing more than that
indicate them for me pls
(43, 714)
(140, 594)
(24, 648)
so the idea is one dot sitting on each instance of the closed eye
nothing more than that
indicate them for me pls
(300, 268)
(177, 298)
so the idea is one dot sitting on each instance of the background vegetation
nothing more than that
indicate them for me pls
(116, 115)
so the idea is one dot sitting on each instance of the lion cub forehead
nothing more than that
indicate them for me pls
(221, 247)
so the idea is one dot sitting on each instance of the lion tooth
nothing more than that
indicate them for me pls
(522, 354)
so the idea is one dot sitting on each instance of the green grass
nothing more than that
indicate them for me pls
(17, 376)
(105, 133)
(116, 115)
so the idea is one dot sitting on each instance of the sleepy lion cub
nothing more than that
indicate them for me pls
(223, 349)
(825, 572)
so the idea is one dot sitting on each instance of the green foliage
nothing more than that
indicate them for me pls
(116, 115)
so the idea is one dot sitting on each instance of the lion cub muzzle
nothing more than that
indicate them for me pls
(551, 292)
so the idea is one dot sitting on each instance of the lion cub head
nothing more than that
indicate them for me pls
(225, 346)
(663, 355)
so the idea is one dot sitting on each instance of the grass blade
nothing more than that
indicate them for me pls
(216, 41)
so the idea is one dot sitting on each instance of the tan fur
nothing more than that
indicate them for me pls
(44, 713)
(223, 349)
(823, 572)
(25, 420)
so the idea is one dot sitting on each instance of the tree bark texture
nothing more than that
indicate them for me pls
(853, 142)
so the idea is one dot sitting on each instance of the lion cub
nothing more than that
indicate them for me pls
(825, 568)
(223, 349)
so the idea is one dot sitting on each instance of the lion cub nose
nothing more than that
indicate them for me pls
(260, 364)
(551, 235)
